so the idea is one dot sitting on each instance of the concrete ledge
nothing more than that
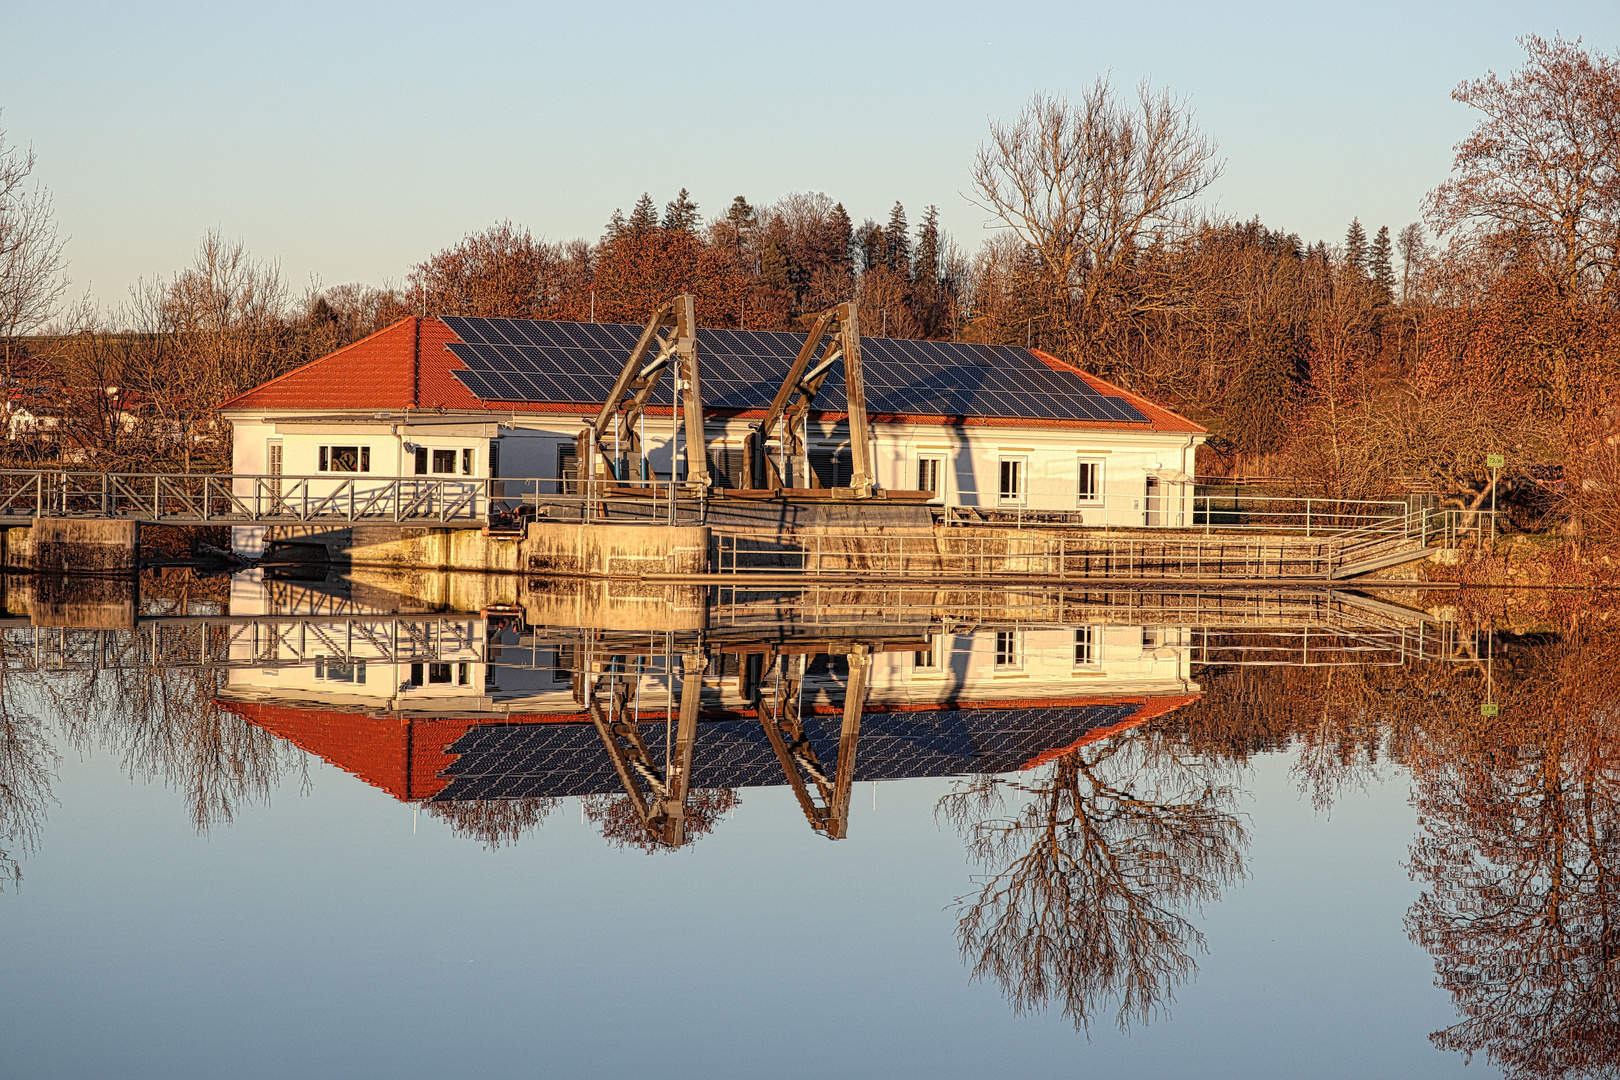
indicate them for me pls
(556, 547)
(555, 552)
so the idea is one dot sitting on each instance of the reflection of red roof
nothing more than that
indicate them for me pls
(409, 365)
(1151, 709)
(405, 757)
(386, 752)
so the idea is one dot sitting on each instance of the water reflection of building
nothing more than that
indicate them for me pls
(465, 706)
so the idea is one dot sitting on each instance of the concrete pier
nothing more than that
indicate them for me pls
(73, 546)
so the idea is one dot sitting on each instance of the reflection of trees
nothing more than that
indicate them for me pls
(616, 816)
(166, 724)
(27, 762)
(1094, 862)
(1340, 721)
(495, 823)
(1519, 853)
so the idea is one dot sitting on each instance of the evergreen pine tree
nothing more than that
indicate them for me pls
(872, 244)
(615, 226)
(897, 242)
(1381, 265)
(926, 266)
(1355, 246)
(840, 238)
(681, 213)
(740, 215)
(775, 269)
(643, 216)
(927, 292)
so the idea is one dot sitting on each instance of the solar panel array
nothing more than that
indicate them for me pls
(515, 761)
(576, 363)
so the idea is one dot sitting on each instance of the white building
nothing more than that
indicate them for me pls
(992, 427)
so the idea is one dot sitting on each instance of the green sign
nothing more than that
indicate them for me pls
(1494, 461)
(1490, 708)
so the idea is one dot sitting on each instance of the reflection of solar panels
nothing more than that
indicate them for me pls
(576, 363)
(514, 761)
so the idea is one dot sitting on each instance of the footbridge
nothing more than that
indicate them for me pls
(1311, 541)
(230, 499)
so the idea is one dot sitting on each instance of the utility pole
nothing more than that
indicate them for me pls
(1494, 462)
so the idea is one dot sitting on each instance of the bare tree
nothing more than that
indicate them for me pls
(212, 331)
(31, 257)
(1093, 866)
(1543, 165)
(1413, 251)
(1087, 186)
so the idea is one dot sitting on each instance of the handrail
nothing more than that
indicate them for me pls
(236, 498)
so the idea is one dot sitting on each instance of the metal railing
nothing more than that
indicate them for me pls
(226, 498)
(1255, 513)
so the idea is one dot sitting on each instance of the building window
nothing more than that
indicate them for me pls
(466, 463)
(1013, 479)
(1150, 638)
(444, 461)
(421, 456)
(438, 673)
(1085, 646)
(567, 468)
(1009, 657)
(463, 674)
(927, 661)
(1088, 486)
(329, 671)
(344, 459)
(928, 470)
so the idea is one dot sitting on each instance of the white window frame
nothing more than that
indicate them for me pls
(1013, 650)
(936, 654)
(324, 458)
(1092, 642)
(939, 473)
(1020, 496)
(1081, 463)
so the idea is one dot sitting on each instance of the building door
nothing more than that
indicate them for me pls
(1154, 509)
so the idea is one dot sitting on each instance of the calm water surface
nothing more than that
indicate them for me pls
(336, 836)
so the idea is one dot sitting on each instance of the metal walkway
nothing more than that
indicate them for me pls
(326, 498)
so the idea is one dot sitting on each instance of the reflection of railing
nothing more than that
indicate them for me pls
(243, 642)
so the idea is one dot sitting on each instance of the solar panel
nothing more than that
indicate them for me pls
(507, 761)
(576, 363)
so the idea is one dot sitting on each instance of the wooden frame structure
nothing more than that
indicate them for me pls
(620, 418)
(785, 418)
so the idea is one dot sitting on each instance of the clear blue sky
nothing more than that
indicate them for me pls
(349, 141)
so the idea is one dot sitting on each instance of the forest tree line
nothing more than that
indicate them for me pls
(1391, 360)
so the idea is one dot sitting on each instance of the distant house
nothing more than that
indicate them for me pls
(991, 427)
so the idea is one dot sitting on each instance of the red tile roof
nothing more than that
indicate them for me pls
(1161, 418)
(409, 366)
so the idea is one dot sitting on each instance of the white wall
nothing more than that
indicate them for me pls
(971, 456)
